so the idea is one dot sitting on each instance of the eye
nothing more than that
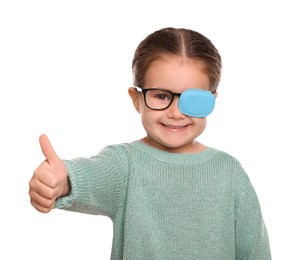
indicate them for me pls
(161, 95)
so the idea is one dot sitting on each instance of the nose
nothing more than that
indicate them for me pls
(173, 111)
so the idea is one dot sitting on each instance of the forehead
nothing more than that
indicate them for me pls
(176, 74)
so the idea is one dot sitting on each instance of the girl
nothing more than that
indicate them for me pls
(168, 195)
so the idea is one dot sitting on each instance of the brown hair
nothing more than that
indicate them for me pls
(180, 42)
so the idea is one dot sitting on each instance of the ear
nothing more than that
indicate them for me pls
(135, 96)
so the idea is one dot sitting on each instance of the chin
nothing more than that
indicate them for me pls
(176, 147)
(169, 144)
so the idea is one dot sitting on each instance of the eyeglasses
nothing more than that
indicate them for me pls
(158, 99)
(192, 102)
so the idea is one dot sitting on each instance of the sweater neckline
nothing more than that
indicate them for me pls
(175, 158)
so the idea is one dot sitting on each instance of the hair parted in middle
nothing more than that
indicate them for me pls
(178, 42)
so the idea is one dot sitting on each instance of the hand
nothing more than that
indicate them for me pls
(49, 180)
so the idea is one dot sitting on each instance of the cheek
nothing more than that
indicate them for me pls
(149, 117)
(146, 121)
(145, 112)
(203, 121)
(200, 124)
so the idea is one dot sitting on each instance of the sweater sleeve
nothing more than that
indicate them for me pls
(97, 183)
(252, 241)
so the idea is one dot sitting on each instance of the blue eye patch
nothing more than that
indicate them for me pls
(196, 102)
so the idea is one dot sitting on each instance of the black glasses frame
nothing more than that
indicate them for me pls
(145, 90)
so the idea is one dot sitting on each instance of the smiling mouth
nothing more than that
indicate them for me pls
(174, 127)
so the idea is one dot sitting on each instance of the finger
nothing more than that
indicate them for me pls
(47, 149)
(41, 208)
(41, 200)
(43, 175)
(43, 189)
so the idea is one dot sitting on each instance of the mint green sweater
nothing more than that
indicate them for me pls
(167, 206)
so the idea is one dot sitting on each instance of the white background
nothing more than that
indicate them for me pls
(63, 62)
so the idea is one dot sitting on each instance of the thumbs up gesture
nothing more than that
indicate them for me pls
(49, 180)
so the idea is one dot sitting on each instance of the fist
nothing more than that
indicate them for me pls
(49, 180)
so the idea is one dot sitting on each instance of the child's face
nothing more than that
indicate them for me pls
(169, 129)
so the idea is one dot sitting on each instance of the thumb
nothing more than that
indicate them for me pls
(47, 149)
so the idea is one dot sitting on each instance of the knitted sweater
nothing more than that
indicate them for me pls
(168, 206)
